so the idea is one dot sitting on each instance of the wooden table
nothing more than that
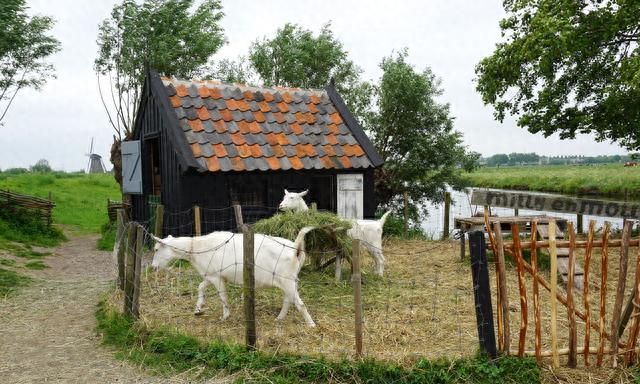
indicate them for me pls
(468, 224)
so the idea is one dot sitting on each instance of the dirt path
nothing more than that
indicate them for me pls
(47, 330)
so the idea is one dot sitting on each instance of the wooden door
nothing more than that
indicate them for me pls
(350, 195)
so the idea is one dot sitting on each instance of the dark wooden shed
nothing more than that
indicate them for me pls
(211, 144)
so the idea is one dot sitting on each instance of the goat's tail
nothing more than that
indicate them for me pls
(384, 218)
(299, 244)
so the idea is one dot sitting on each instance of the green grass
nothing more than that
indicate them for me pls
(10, 281)
(81, 200)
(108, 238)
(36, 264)
(8, 262)
(167, 352)
(610, 180)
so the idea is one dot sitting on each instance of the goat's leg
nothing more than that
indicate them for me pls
(378, 258)
(286, 303)
(201, 291)
(222, 292)
(303, 309)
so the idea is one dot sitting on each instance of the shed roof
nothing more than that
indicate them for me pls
(232, 127)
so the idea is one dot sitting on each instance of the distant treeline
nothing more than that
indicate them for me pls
(502, 159)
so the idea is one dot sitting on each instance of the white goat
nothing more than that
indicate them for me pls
(218, 257)
(367, 231)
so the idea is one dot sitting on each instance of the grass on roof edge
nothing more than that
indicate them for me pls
(167, 352)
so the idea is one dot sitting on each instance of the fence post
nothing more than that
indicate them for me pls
(159, 222)
(447, 208)
(314, 206)
(120, 246)
(237, 209)
(579, 224)
(356, 281)
(129, 269)
(516, 212)
(196, 220)
(248, 288)
(406, 212)
(135, 301)
(482, 293)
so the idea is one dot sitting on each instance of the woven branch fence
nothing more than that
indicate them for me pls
(42, 208)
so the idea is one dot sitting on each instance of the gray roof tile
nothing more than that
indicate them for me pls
(237, 94)
(290, 150)
(266, 150)
(237, 115)
(338, 150)
(258, 96)
(277, 97)
(215, 115)
(191, 113)
(206, 149)
(262, 164)
(193, 91)
(191, 137)
(208, 126)
(225, 163)
(231, 150)
(249, 164)
(293, 139)
(259, 138)
(171, 90)
(285, 164)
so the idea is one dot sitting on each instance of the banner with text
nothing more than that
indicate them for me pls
(555, 203)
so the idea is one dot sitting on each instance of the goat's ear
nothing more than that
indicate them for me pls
(303, 193)
(286, 192)
(170, 237)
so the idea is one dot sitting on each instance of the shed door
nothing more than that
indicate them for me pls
(131, 167)
(350, 195)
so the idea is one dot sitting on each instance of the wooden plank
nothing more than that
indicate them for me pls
(536, 293)
(503, 298)
(120, 245)
(613, 243)
(356, 281)
(130, 259)
(159, 221)
(604, 260)
(573, 332)
(585, 294)
(555, 203)
(515, 233)
(196, 220)
(622, 281)
(135, 301)
(554, 305)
(249, 287)
(635, 324)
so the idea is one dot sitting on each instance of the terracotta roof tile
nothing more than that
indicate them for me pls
(213, 164)
(219, 150)
(196, 125)
(236, 128)
(273, 162)
(237, 164)
(296, 163)
(226, 115)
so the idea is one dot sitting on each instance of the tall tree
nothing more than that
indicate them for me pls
(25, 44)
(568, 67)
(174, 37)
(294, 57)
(414, 134)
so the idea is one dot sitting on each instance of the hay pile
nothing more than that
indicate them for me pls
(322, 244)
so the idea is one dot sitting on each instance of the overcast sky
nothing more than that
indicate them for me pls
(450, 36)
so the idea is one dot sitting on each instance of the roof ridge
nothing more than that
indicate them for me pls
(211, 83)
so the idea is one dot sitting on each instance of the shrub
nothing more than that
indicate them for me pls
(41, 166)
(394, 227)
(19, 224)
(108, 238)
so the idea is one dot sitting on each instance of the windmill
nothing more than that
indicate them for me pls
(95, 161)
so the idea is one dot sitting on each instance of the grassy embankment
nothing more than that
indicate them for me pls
(607, 180)
(80, 208)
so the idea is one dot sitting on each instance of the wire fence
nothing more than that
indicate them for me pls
(421, 308)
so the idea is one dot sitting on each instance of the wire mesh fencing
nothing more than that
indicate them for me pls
(421, 308)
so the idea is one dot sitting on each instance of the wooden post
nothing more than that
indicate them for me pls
(554, 300)
(462, 239)
(516, 212)
(129, 271)
(406, 212)
(159, 222)
(314, 206)
(338, 265)
(604, 262)
(501, 276)
(536, 293)
(579, 224)
(573, 333)
(196, 220)
(248, 288)
(447, 208)
(635, 325)
(120, 245)
(585, 295)
(135, 301)
(356, 281)
(517, 251)
(237, 209)
(482, 293)
(622, 281)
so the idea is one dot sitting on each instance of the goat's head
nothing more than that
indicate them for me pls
(163, 253)
(293, 201)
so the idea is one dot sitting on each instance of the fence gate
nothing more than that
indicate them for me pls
(350, 195)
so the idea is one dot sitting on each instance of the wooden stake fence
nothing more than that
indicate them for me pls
(609, 342)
